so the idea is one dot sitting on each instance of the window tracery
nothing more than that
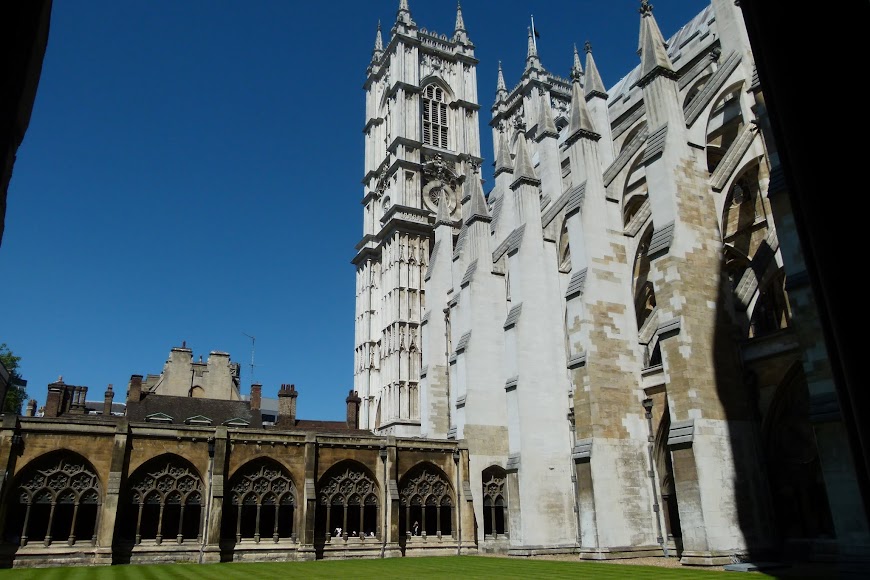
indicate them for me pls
(426, 499)
(167, 499)
(435, 127)
(264, 499)
(350, 503)
(58, 499)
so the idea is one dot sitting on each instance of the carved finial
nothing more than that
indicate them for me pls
(460, 23)
(587, 47)
(577, 68)
(645, 8)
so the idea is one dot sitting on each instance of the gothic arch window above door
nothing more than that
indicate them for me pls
(435, 126)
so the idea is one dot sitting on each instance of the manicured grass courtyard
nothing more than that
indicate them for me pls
(454, 567)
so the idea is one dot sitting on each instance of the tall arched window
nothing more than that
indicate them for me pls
(348, 499)
(263, 503)
(58, 499)
(494, 502)
(166, 497)
(426, 498)
(435, 116)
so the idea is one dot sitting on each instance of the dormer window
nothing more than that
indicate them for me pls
(435, 116)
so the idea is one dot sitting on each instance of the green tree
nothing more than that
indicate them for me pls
(16, 394)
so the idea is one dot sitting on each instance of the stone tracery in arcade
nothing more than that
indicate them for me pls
(165, 499)
(426, 497)
(58, 499)
(263, 503)
(347, 498)
(495, 519)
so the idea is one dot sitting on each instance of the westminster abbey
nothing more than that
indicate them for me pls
(612, 353)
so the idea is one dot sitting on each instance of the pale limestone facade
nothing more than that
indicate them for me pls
(621, 329)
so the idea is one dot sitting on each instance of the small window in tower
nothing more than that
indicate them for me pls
(435, 128)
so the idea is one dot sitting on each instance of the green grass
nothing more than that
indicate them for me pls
(414, 568)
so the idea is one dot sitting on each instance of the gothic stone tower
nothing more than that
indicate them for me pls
(421, 136)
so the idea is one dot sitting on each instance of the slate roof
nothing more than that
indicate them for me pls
(181, 408)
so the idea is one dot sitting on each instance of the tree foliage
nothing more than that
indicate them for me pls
(16, 394)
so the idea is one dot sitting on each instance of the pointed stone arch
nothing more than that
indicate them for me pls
(263, 503)
(642, 287)
(427, 498)
(724, 124)
(163, 500)
(56, 498)
(348, 499)
(799, 494)
(495, 502)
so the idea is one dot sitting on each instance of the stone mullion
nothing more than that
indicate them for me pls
(23, 541)
(362, 526)
(72, 527)
(159, 536)
(47, 541)
(139, 522)
(344, 516)
(180, 536)
(239, 524)
(257, 523)
(407, 518)
(492, 519)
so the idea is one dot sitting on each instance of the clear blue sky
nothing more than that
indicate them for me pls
(192, 172)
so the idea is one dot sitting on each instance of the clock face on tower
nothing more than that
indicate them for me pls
(439, 177)
(432, 193)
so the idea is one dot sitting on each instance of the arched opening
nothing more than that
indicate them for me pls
(56, 499)
(347, 502)
(435, 126)
(797, 486)
(262, 503)
(426, 502)
(667, 489)
(644, 292)
(164, 500)
(771, 311)
(495, 518)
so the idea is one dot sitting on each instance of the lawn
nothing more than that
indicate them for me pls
(416, 568)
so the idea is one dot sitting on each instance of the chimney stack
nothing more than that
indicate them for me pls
(107, 401)
(353, 402)
(134, 390)
(54, 400)
(256, 396)
(31, 408)
(287, 407)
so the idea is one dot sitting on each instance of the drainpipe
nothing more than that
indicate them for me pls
(647, 405)
(208, 498)
(383, 454)
(572, 431)
(447, 360)
(458, 505)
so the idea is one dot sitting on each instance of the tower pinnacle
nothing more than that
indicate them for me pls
(652, 47)
(500, 87)
(532, 60)
(577, 69)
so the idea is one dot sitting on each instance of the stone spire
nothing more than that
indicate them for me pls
(403, 16)
(532, 60)
(580, 121)
(503, 156)
(577, 69)
(523, 169)
(594, 85)
(500, 87)
(477, 208)
(459, 32)
(379, 45)
(652, 48)
(546, 124)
